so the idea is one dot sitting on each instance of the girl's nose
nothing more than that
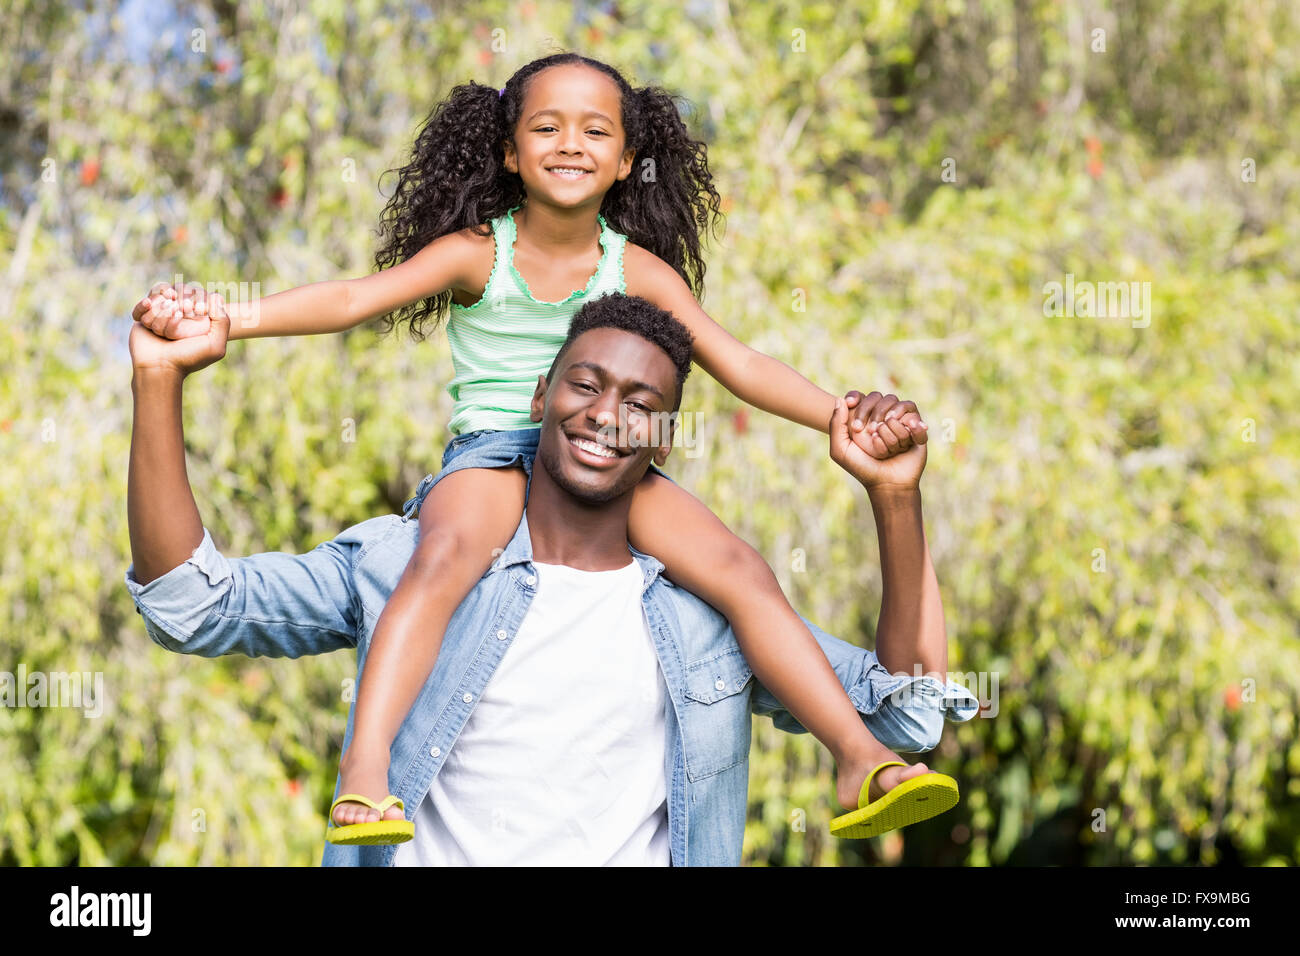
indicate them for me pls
(571, 142)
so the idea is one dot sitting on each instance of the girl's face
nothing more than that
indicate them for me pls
(570, 120)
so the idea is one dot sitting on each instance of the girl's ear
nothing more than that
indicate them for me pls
(625, 167)
(512, 161)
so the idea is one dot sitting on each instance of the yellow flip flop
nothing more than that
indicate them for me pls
(375, 832)
(912, 801)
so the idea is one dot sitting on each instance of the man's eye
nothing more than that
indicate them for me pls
(585, 385)
(640, 408)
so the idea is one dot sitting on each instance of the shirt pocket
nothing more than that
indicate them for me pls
(716, 718)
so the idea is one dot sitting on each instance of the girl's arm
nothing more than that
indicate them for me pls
(751, 376)
(341, 304)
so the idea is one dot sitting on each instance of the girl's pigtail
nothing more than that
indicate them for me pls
(668, 201)
(455, 179)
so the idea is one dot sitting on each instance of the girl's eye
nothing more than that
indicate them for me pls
(543, 129)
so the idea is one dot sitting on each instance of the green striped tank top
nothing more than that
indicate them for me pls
(501, 343)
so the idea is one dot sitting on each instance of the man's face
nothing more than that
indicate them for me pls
(606, 414)
(570, 118)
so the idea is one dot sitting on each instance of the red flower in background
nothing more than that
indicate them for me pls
(1093, 145)
(740, 420)
(1232, 697)
(89, 170)
(279, 198)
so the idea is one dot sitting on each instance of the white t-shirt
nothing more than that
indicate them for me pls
(562, 759)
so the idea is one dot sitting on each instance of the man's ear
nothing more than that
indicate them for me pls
(538, 404)
(666, 440)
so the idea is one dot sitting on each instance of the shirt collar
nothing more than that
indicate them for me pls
(520, 551)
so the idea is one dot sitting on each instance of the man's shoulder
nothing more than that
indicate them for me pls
(365, 535)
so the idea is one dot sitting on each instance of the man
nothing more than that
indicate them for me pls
(582, 709)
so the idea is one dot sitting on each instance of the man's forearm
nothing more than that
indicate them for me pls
(911, 628)
(162, 516)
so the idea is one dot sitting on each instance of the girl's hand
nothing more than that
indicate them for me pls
(866, 424)
(177, 313)
(150, 353)
(892, 433)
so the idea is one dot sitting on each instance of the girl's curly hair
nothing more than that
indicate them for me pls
(457, 179)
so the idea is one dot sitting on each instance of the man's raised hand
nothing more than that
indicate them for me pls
(867, 411)
(152, 352)
(177, 313)
(891, 430)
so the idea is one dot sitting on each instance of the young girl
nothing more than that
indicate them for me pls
(586, 186)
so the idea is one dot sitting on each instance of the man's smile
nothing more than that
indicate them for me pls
(593, 452)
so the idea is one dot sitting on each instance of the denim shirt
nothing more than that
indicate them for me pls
(282, 605)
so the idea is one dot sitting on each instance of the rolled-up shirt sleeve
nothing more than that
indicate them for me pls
(904, 712)
(263, 605)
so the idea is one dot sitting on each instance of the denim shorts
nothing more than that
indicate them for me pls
(486, 448)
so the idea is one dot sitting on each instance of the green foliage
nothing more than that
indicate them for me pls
(1111, 506)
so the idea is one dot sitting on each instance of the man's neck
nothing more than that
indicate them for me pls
(566, 530)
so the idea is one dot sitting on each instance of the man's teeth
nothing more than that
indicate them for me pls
(595, 449)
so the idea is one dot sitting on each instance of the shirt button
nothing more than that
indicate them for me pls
(501, 635)
(720, 684)
(435, 752)
(530, 580)
(467, 698)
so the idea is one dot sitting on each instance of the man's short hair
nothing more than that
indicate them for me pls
(631, 313)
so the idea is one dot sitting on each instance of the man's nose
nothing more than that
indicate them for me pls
(604, 409)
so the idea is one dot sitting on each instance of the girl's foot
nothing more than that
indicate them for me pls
(851, 774)
(368, 777)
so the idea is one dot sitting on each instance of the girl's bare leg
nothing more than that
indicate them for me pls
(462, 519)
(701, 554)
